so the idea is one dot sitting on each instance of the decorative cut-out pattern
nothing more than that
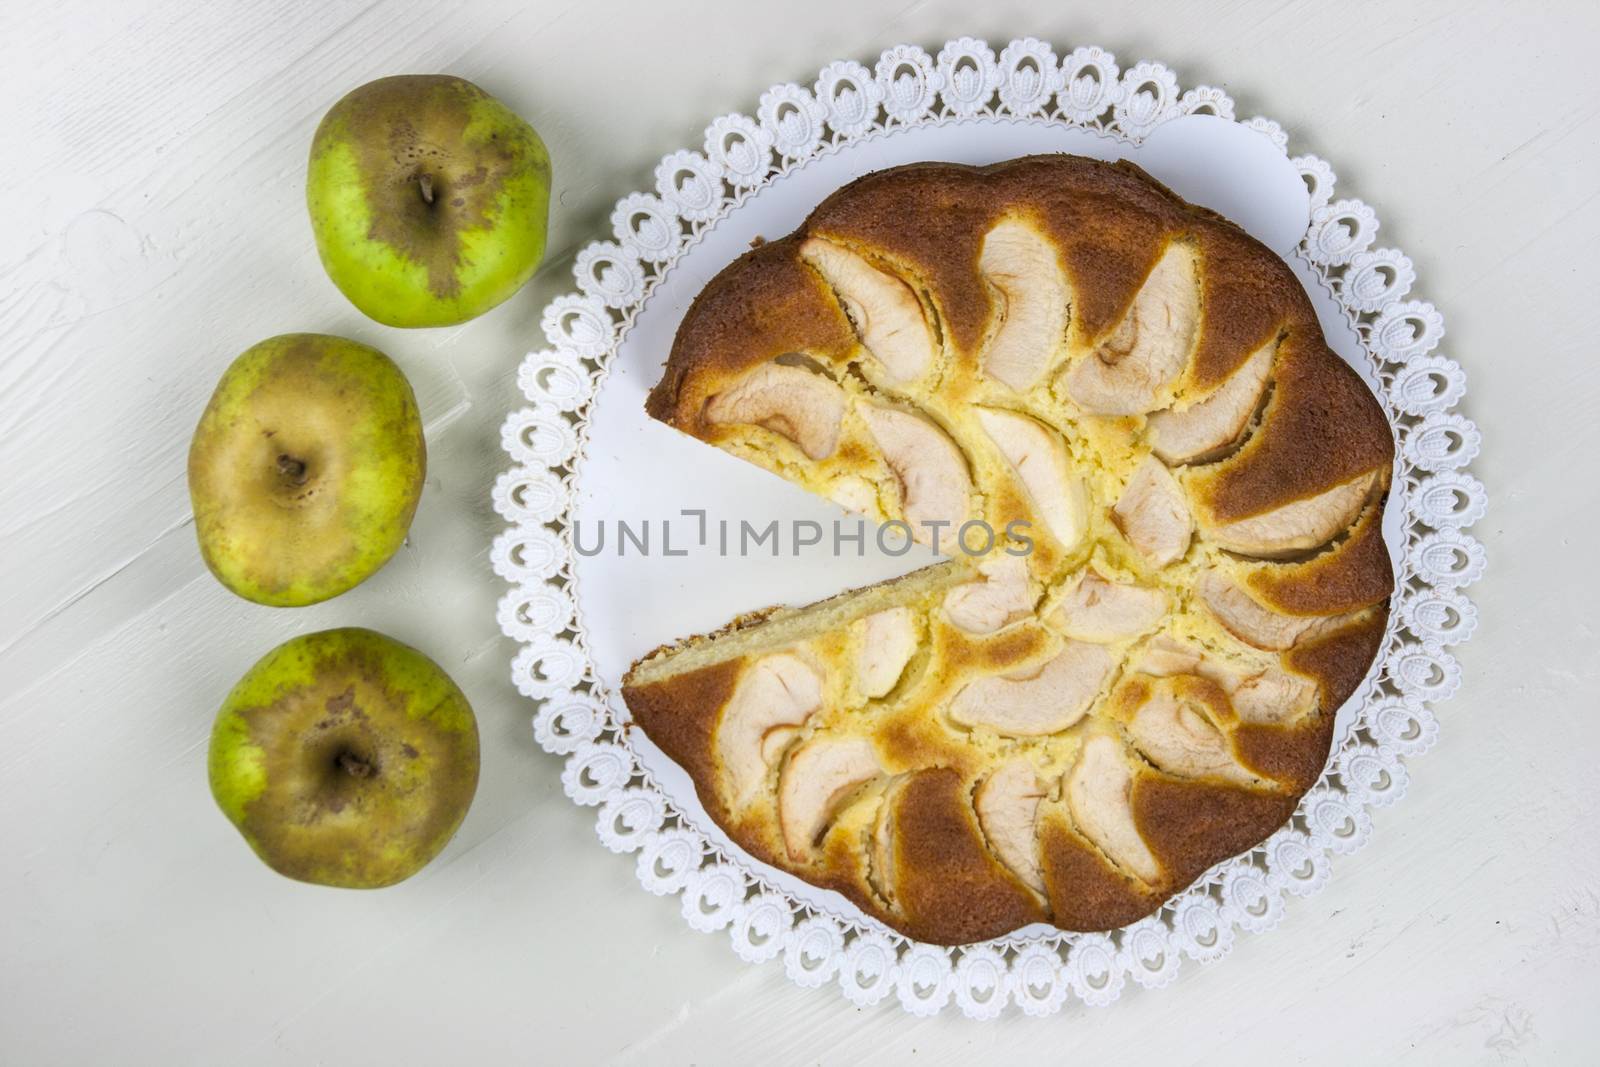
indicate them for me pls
(1037, 972)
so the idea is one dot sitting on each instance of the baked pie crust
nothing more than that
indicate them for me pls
(1138, 683)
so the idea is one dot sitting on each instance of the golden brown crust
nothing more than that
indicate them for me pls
(1288, 757)
(927, 222)
(1339, 661)
(949, 889)
(1086, 893)
(1355, 573)
(1002, 651)
(1293, 755)
(1320, 429)
(1206, 692)
(1296, 753)
(1110, 222)
(680, 714)
(767, 305)
(1248, 295)
(1191, 825)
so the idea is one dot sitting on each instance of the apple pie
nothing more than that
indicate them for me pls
(1159, 494)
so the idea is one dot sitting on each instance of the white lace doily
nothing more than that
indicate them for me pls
(1434, 500)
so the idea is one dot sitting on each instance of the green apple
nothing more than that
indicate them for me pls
(345, 758)
(305, 469)
(429, 199)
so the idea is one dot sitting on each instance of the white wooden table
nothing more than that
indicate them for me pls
(154, 226)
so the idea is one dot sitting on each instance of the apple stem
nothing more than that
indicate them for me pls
(354, 765)
(427, 188)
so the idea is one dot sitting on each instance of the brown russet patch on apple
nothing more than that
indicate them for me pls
(345, 701)
(349, 771)
(294, 421)
(425, 181)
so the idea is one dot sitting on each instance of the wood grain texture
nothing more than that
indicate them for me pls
(154, 153)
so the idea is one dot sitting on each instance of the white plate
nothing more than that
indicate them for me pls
(760, 179)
